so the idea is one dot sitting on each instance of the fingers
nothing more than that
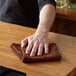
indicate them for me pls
(40, 49)
(24, 42)
(34, 49)
(46, 47)
(29, 48)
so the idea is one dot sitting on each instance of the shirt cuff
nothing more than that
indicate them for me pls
(41, 3)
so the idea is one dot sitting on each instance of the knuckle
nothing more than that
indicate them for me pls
(36, 43)
(41, 45)
(30, 42)
(22, 41)
(46, 45)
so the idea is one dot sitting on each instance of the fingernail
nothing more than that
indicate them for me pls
(39, 54)
(26, 52)
(31, 55)
(22, 45)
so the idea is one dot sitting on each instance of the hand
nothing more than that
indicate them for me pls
(36, 43)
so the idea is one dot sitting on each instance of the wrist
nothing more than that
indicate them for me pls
(42, 32)
(42, 28)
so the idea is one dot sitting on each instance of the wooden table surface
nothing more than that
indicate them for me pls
(13, 33)
(66, 13)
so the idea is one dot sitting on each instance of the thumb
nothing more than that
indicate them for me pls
(24, 42)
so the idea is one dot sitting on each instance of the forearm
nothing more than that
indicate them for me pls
(46, 18)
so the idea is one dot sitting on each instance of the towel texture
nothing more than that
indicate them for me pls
(53, 55)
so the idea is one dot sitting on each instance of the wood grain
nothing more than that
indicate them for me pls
(65, 21)
(66, 13)
(14, 33)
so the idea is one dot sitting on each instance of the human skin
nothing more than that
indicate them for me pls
(39, 39)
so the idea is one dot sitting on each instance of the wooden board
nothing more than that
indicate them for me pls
(14, 33)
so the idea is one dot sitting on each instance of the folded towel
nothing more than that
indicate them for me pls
(73, 72)
(53, 55)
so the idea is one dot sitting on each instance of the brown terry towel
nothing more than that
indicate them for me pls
(53, 55)
(73, 72)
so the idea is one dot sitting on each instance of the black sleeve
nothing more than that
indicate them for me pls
(41, 3)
